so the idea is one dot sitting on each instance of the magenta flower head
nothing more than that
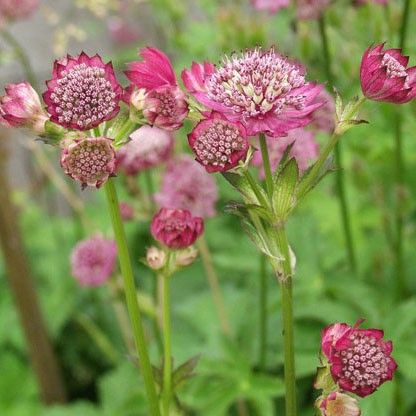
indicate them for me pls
(186, 185)
(339, 404)
(176, 228)
(90, 161)
(83, 92)
(218, 144)
(165, 105)
(21, 107)
(263, 90)
(93, 260)
(359, 359)
(272, 6)
(311, 9)
(148, 147)
(385, 76)
(17, 9)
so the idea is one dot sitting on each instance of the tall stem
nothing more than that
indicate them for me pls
(131, 297)
(339, 174)
(263, 313)
(167, 362)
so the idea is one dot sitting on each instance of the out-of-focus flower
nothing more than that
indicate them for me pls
(93, 260)
(83, 92)
(121, 31)
(155, 258)
(90, 161)
(126, 211)
(270, 5)
(165, 104)
(186, 185)
(311, 9)
(324, 118)
(263, 90)
(176, 228)
(148, 147)
(186, 257)
(385, 76)
(359, 359)
(21, 107)
(17, 9)
(218, 144)
(305, 149)
(339, 404)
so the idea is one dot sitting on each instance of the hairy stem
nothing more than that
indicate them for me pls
(167, 361)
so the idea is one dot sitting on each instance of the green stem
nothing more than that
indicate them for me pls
(405, 24)
(266, 164)
(148, 177)
(167, 362)
(131, 297)
(124, 131)
(263, 313)
(255, 187)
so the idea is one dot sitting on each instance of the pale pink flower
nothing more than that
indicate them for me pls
(121, 31)
(339, 404)
(155, 258)
(324, 117)
(272, 6)
(126, 211)
(83, 92)
(93, 260)
(90, 161)
(305, 149)
(263, 90)
(17, 9)
(186, 185)
(148, 147)
(311, 9)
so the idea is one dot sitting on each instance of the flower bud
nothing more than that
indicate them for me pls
(155, 258)
(338, 404)
(187, 256)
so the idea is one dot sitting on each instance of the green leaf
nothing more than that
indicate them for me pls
(243, 210)
(185, 371)
(240, 183)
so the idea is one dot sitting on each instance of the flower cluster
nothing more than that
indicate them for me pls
(272, 6)
(311, 9)
(11, 10)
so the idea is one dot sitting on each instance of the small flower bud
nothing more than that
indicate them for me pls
(338, 404)
(187, 256)
(155, 258)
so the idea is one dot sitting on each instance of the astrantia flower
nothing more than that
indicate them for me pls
(305, 149)
(176, 228)
(164, 104)
(17, 9)
(339, 404)
(263, 90)
(385, 76)
(90, 161)
(21, 107)
(311, 9)
(270, 5)
(324, 118)
(83, 92)
(126, 211)
(218, 144)
(186, 185)
(359, 359)
(93, 260)
(148, 147)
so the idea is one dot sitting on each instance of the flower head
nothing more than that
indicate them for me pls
(311, 9)
(359, 359)
(17, 9)
(263, 90)
(90, 161)
(148, 147)
(21, 107)
(155, 258)
(186, 185)
(272, 6)
(83, 92)
(126, 211)
(176, 228)
(339, 404)
(305, 149)
(385, 76)
(218, 143)
(93, 260)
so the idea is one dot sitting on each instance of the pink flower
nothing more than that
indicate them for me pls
(311, 9)
(93, 260)
(83, 92)
(165, 104)
(384, 76)
(339, 404)
(176, 228)
(126, 211)
(21, 107)
(324, 117)
(149, 146)
(121, 31)
(186, 185)
(272, 6)
(360, 360)
(17, 9)
(90, 161)
(218, 144)
(305, 149)
(263, 90)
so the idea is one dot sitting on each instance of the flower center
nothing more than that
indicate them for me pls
(167, 103)
(257, 83)
(83, 97)
(393, 67)
(174, 225)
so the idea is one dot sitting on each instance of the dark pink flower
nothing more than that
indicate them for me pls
(324, 117)
(83, 92)
(126, 211)
(90, 161)
(339, 404)
(305, 149)
(17, 9)
(311, 9)
(359, 359)
(263, 90)
(148, 147)
(218, 144)
(93, 260)
(270, 5)
(165, 105)
(186, 185)
(176, 228)
(385, 76)
(21, 107)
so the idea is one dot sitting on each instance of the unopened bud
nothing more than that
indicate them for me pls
(187, 256)
(155, 258)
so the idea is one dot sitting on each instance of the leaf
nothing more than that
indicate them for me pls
(243, 210)
(185, 371)
(240, 183)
